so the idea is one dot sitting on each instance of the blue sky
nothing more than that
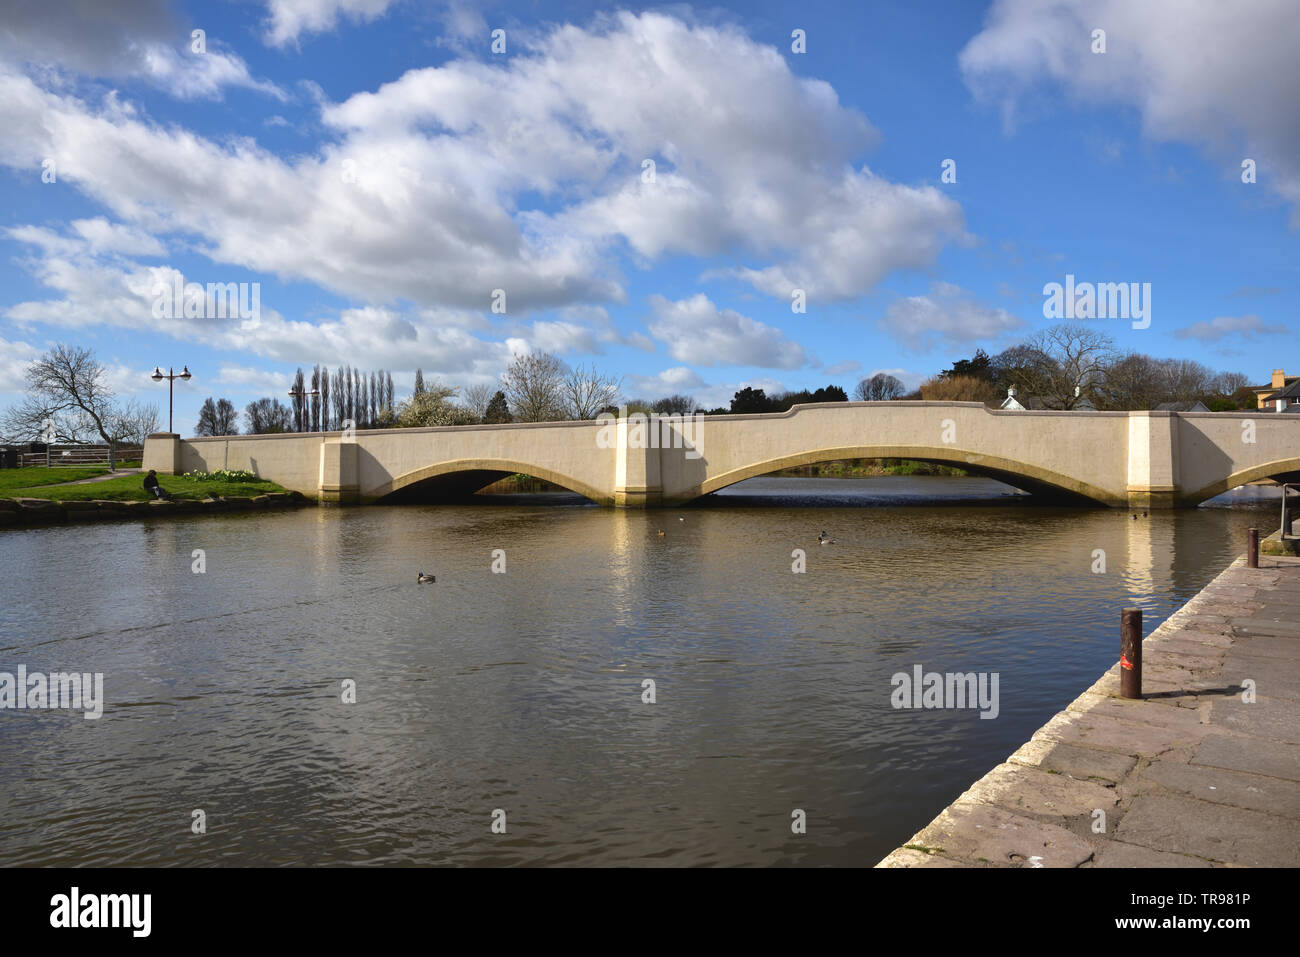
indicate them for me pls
(379, 170)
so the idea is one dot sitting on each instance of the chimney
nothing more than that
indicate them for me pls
(1279, 380)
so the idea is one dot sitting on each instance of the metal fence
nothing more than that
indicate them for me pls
(66, 456)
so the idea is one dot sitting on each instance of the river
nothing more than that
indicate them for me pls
(523, 691)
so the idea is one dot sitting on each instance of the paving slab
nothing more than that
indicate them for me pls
(1237, 753)
(1190, 775)
(1119, 854)
(980, 834)
(1219, 786)
(1078, 762)
(1215, 832)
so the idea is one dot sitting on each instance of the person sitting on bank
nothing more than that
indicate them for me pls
(151, 485)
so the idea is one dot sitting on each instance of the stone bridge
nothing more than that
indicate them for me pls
(1119, 459)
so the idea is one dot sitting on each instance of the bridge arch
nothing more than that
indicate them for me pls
(490, 470)
(1237, 479)
(1021, 475)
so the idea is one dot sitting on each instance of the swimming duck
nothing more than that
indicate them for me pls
(823, 540)
(424, 579)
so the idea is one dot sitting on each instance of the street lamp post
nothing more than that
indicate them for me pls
(304, 395)
(171, 378)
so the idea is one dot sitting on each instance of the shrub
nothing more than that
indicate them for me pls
(222, 475)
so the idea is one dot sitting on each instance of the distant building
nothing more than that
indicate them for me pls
(1278, 394)
(1197, 406)
(1288, 399)
(1034, 403)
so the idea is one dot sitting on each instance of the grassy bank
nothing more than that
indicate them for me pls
(38, 475)
(128, 488)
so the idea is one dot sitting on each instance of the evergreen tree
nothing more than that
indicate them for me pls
(326, 420)
(299, 403)
(419, 382)
(497, 410)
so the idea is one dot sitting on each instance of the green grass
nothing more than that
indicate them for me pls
(128, 488)
(39, 475)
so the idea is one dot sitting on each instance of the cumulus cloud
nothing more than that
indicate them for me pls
(678, 380)
(1239, 327)
(948, 315)
(288, 19)
(425, 193)
(698, 332)
(103, 236)
(98, 290)
(121, 39)
(1216, 75)
(15, 357)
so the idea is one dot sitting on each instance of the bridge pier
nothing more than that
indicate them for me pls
(638, 479)
(340, 482)
(1152, 460)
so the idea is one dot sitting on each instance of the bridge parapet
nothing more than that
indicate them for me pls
(1120, 459)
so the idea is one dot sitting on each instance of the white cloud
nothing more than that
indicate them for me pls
(844, 368)
(288, 19)
(122, 39)
(948, 315)
(678, 380)
(698, 332)
(1238, 327)
(1218, 75)
(249, 380)
(423, 195)
(15, 357)
(104, 236)
(108, 290)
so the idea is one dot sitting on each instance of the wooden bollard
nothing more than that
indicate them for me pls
(1252, 548)
(1130, 653)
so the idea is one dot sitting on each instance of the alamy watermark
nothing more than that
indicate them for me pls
(37, 691)
(1103, 300)
(930, 689)
(217, 300)
(651, 430)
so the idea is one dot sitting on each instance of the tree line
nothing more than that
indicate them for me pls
(1072, 365)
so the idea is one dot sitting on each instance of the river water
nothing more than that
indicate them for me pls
(522, 692)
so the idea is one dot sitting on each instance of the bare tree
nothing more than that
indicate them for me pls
(673, 405)
(585, 392)
(268, 415)
(1131, 381)
(1064, 364)
(217, 418)
(881, 387)
(1185, 380)
(69, 399)
(476, 399)
(534, 387)
(1228, 383)
(138, 421)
